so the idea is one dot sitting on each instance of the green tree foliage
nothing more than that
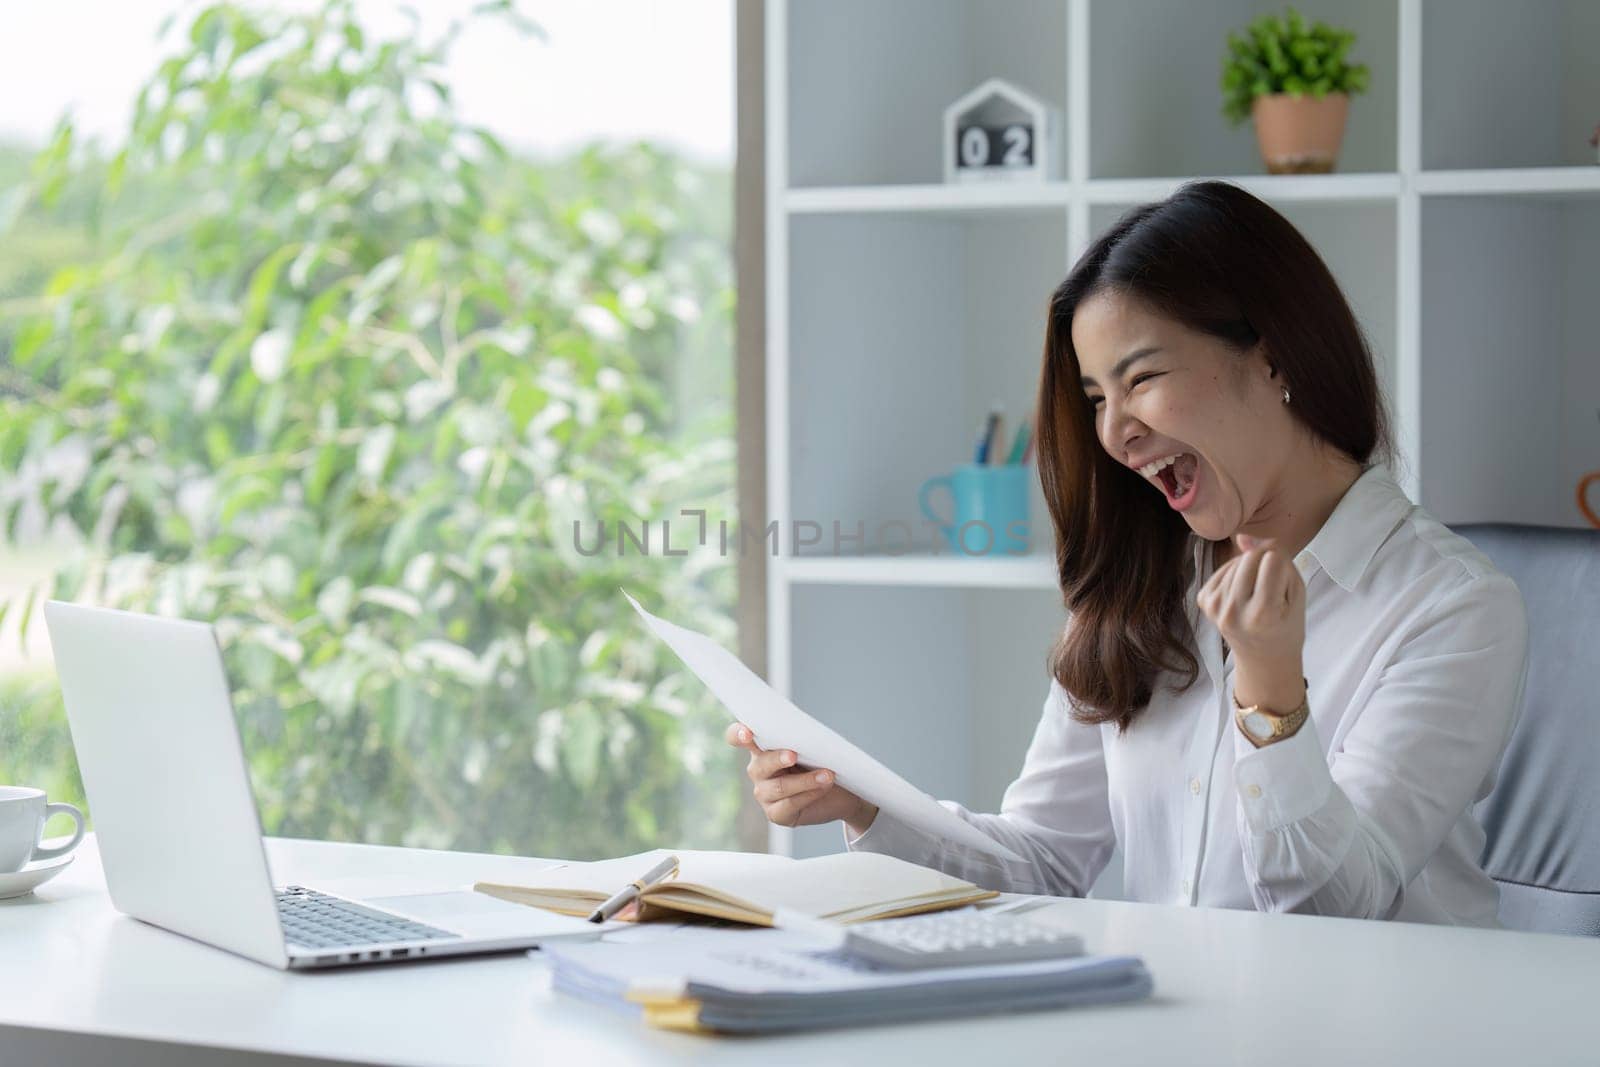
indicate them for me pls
(341, 375)
(1281, 54)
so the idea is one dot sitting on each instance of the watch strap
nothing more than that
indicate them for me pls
(1284, 723)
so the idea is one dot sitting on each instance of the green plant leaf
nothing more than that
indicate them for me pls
(1284, 55)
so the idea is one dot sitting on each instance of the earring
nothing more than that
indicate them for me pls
(1286, 394)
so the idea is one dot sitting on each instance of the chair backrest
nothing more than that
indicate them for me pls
(1543, 817)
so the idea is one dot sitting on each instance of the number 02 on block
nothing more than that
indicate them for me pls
(998, 132)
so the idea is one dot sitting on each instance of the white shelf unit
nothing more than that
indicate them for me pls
(1463, 225)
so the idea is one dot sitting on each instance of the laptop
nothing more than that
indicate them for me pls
(153, 724)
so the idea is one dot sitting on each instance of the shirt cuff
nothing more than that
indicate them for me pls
(1281, 783)
(891, 837)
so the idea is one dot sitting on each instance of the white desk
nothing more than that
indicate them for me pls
(1231, 987)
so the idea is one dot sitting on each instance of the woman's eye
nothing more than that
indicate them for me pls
(1095, 402)
(1139, 378)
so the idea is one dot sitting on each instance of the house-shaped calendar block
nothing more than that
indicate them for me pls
(997, 132)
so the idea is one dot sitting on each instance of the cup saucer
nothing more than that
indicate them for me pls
(18, 883)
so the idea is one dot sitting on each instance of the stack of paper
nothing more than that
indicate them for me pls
(765, 981)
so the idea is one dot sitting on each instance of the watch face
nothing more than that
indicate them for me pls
(1259, 726)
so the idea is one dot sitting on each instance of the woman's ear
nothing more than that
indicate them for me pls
(1266, 357)
(1260, 352)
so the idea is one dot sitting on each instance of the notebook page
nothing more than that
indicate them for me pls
(846, 881)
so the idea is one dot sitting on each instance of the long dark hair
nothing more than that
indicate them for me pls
(1220, 261)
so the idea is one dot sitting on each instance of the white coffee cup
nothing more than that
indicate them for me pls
(23, 812)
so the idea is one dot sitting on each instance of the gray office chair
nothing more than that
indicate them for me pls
(1543, 817)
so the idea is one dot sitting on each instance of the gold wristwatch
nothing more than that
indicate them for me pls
(1262, 726)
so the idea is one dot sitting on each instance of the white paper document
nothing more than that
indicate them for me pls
(777, 723)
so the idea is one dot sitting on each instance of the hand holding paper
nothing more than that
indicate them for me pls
(793, 794)
(779, 724)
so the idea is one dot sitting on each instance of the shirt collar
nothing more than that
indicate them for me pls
(1361, 522)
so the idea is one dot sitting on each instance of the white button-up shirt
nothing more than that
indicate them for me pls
(1415, 657)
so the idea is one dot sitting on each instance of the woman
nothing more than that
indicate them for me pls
(1281, 685)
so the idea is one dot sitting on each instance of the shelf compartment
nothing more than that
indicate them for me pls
(903, 330)
(1509, 85)
(1161, 115)
(868, 84)
(1510, 418)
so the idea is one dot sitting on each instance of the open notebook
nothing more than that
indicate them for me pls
(750, 887)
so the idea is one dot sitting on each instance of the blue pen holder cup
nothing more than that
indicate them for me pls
(988, 511)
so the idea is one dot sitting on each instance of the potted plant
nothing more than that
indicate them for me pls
(1594, 142)
(1296, 83)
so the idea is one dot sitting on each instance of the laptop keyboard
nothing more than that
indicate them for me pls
(316, 920)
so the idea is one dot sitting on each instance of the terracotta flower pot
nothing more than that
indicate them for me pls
(1300, 134)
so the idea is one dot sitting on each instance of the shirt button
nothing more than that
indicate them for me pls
(1194, 786)
(1186, 887)
(1252, 790)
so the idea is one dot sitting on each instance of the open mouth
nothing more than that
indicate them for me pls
(1178, 477)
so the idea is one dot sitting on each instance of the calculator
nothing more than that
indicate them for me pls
(965, 938)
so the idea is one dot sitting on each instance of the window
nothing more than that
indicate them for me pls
(339, 328)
